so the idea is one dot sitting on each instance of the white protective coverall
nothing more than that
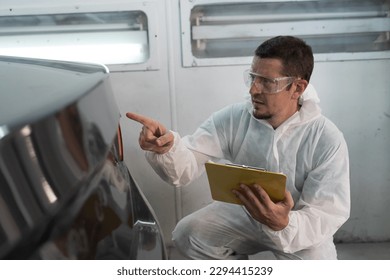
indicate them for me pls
(307, 147)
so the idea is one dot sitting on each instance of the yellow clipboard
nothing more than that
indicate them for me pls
(223, 178)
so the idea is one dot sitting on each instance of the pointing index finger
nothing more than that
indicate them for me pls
(148, 122)
(154, 126)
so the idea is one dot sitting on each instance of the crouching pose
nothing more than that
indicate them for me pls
(279, 127)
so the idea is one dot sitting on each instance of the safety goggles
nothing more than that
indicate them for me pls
(267, 85)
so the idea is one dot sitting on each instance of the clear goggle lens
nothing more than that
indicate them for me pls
(267, 85)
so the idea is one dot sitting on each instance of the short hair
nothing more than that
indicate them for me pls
(296, 56)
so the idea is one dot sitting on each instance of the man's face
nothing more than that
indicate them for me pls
(273, 107)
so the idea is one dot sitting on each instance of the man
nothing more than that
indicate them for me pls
(279, 128)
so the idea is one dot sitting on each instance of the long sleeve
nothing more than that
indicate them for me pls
(184, 162)
(324, 204)
(180, 165)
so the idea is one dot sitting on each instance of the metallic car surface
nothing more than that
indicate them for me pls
(65, 191)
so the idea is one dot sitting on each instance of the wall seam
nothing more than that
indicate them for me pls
(172, 95)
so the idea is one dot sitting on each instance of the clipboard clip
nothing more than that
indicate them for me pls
(246, 166)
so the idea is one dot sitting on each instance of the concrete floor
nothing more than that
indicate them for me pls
(364, 251)
(346, 251)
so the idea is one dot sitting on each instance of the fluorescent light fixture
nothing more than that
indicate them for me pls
(227, 32)
(108, 38)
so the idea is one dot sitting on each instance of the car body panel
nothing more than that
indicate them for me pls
(65, 191)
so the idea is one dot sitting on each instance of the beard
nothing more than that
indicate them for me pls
(261, 116)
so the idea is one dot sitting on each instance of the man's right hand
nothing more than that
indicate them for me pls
(153, 136)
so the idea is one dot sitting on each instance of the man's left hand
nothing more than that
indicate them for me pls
(263, 209)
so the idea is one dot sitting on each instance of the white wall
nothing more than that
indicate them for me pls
(354, 94)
